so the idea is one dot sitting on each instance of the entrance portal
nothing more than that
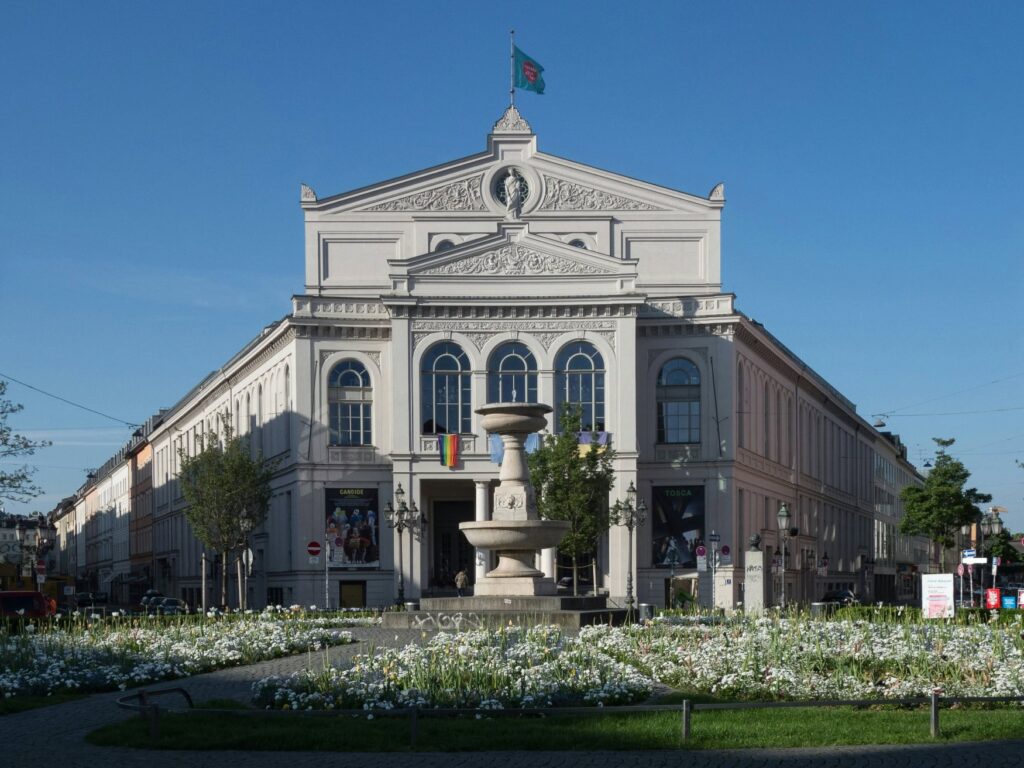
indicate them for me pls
(452, 552)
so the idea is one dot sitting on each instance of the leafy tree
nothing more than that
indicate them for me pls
(940, 507)
(1001, 545)
(573, 487)
(228, 494)
(16, 484)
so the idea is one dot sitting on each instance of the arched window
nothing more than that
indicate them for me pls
(577, 243)
(445, 389)
(512, 374)
(579, 380)
(444, 245)
(678, 395)
(349, 401)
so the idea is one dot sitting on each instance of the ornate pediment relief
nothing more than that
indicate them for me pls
(516, 259)
(562, 195)
(462, 195)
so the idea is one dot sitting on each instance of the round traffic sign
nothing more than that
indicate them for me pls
(701, 550)
(725, 550)
(960, 570)
(313, 548)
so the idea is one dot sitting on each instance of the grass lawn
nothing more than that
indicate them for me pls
(8, 706)
(616, 731)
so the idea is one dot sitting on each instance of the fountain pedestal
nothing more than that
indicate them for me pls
(515, 531)
(515, 591)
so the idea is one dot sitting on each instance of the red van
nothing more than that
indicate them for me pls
(25, 603)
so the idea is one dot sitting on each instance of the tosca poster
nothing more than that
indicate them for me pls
(677, 525)
(352, 528)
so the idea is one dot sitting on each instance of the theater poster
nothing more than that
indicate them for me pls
(352, 528)
(677, 525)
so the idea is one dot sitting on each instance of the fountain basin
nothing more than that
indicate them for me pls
(514, 534)
(514, 418)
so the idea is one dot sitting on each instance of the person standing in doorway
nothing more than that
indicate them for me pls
(460, 581)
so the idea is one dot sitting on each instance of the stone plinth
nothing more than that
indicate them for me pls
(482, 612)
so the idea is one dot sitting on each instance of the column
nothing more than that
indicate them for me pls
(482, 487)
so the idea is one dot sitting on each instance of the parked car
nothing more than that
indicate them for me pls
(170, 606)
(26, 603)
(841, 596)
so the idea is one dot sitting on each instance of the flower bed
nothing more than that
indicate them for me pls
(536, 667)
(736, 658)
(98, 656)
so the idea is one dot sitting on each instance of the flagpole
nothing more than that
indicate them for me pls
(511, 67)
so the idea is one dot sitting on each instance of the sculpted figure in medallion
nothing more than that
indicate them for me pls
(513, 194)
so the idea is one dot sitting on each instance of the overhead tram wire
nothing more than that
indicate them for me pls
(69, 402)
(896, 411)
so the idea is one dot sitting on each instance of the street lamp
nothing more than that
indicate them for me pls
(405, 516)
(784, 518)
(632, 513)
(991, 524)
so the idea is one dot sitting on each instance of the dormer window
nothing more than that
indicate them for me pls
(444, 245)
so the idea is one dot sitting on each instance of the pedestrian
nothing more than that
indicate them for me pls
(460, 581)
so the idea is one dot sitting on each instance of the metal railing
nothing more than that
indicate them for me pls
(151, 711)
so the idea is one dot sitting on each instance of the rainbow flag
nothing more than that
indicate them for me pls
(448, 449)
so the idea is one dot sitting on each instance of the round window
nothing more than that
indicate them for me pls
(577, 243)
(444, 245)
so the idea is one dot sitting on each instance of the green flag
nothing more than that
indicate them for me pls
(528, 72)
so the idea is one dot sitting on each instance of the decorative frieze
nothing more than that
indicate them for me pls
(696, 307)
(687, 329)
(562, 195)
(480, 331)
(463, 195)
(339, 308)
(516, 259)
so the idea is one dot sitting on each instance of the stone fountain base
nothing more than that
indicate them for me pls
(482, 612)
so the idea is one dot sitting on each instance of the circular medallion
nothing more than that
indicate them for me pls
(502, 184)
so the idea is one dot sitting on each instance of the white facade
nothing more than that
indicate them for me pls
(607, 289)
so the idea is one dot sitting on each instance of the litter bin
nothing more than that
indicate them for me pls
(645, 612)
(823, 609)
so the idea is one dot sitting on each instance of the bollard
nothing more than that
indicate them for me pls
(687, 708)
(413, 727)
(935, 713)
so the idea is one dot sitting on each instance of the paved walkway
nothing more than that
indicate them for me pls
(55, 736)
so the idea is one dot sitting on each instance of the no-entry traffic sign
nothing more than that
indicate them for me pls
(313, 548)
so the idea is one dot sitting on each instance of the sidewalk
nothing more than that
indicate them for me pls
(55, 735)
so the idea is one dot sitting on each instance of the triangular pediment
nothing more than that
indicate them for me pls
(508, 254)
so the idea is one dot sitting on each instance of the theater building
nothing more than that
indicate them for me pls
(512, 274)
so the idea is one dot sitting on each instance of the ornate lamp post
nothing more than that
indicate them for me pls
(784, 519)
(400, 518)
(632, 513)
(991, 525)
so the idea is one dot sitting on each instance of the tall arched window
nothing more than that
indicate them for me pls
(678, 395)
(579, 380)
(445, 389)
(349, 401)
(512, 374)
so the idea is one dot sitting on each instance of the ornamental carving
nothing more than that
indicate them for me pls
(515, 259)
(546, 332)
(459, 196)
(561, 195)
(307, 195)
(512, 122)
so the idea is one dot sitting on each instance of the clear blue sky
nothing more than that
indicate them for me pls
(151, 154)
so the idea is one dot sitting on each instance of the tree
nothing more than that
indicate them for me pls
(1001, 545)
(16, 484)
(228, 494)
(574, 486)
(940, 507)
